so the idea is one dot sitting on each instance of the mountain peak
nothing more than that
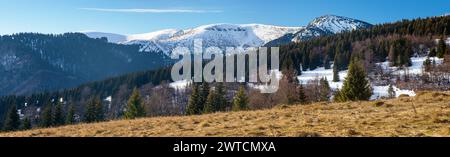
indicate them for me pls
(337, 24)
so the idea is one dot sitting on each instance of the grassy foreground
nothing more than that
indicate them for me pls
(427, 114)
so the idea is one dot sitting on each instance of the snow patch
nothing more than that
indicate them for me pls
(382, 91)
(180, 84)
(109, 98)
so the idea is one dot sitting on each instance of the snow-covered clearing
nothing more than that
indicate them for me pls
(414, 69)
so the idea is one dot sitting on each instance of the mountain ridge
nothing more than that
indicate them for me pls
(240, 35)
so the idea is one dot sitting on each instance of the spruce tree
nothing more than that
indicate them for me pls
(441, 49)
(325, 89)
(356, 85)
(99, 112)
(392, 56)
(12, 121)
(135, 108)
(338, 97)
(70, 117)
(47, 116)
(240, 101)
(220, 96)
(301, 94)
(427, 65)
(336, 68)
(194, 101)
(432, 53)
(94, 111)
(58, 115)
(391, 91)
(211, 102)
(26, 124)
(204, 92)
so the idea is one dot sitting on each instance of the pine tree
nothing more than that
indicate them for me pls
(356, 86)
(336, 68)
(407, 57)
(220, 96)
(70, 117)
(338, 97)
(441, 49)
(427, 64)
(392, 55)
(211, 102)
(325, 89)
(194, 101)
(301, 94)
(12, 121)
(391, 91)
(99, 112)
(47, 116)
(26, 124)
(94, 111)
(135, 108)
(58, 115)
(432, 53)
(240, 101)
(204, 92)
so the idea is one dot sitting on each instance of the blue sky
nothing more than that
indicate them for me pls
(141, 16)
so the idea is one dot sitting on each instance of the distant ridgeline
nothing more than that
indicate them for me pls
(31, 62)
(394, 41)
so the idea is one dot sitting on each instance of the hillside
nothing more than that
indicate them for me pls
(32, 63)
(427, 114)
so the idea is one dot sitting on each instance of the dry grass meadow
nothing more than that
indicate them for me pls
(427, 114)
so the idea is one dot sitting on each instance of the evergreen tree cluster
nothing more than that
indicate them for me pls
(94, 111)
(319, 52)
(400, 53)
(204, 99)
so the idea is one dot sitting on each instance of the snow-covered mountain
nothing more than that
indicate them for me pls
(336, 24)
(324, 25)
(234, 35)
(220, 35)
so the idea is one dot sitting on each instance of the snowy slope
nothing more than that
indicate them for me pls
(220, 35)
(235, 35)
(324, 25)
(158, 35)
(336, 24)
